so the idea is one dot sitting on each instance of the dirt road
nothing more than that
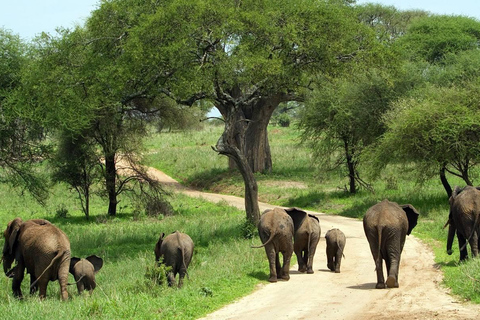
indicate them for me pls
(350, 294)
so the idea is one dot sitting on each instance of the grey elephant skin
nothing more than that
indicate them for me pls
(42, 249)
(84, 271)
(276, 231)
(464, 220)
(386, 226)
(335, 243)
(176, 250)
(306, 236)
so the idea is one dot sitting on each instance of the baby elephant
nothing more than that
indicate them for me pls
(84, 271)
(176, 249)
(335, 246)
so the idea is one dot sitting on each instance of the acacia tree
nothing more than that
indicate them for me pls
(76, 84)
(20, 140)
(436, 127)
(246, 57)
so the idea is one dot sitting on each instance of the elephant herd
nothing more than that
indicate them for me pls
(285, 231)
(293, 230)
(43, 250)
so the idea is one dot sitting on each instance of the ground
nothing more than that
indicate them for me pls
(350, 294)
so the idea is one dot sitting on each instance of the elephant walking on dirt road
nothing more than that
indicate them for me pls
(335, 240)
(386, 226)
(42, 249)
(306, 236)
(276, 229)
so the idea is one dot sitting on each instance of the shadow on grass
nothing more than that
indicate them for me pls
(260, 275)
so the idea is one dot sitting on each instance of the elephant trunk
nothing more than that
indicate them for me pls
(451, 236)
(7, 264)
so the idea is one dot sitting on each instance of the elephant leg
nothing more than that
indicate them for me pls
(273, 261)
(182, 274)
(379, 269)
(80, 287)
(17, 281)
(301, 261)
(171, 279)
(330, 262)
(286, 265)
(311, 255)
(474, 244)
(461, 244)
(42, 286)
(392, 270)
(338, 260)
(33, 287)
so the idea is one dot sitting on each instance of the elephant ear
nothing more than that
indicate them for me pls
(412, 216)
(298, 216)
(13, 230)
(96, 261)
(73, 262)
(314, 217)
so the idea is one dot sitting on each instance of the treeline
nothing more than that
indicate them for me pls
(372, 85)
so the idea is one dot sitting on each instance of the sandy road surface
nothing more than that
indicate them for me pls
(350, 294)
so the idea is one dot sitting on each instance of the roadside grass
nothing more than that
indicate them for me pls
(296, 181)
(223, 267)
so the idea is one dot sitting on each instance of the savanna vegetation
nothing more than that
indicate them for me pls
(368, 102)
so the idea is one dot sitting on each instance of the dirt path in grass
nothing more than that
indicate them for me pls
(350, 294)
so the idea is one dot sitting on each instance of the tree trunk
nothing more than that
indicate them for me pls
(110, 180)
(445, 183)
(351, 168)
(253, 143)
(233, 136)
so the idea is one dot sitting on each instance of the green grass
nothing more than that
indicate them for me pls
(216, 275)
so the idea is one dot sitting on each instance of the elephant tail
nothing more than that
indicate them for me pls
(60, 254)
(70, 284)
(378, 262)
(272, 235)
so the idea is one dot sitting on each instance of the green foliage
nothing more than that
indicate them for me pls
(156, 274)
(433, 38)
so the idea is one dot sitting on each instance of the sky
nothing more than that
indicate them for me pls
(29, 18)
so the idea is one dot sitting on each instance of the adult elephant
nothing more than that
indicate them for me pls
(276, 230)
(42, 249)
(176, 250)
(306, 237)
(386, 226)
(464, 220)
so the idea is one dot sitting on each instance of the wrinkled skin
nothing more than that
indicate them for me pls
(306, 237)
(276, 231)
(40, 248)
(84, 271)
(386, 226)
(335, 242)
(176, 249)
(464, 220)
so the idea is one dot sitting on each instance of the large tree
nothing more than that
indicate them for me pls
(246, 57)
(436, 127)
(20, 140)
